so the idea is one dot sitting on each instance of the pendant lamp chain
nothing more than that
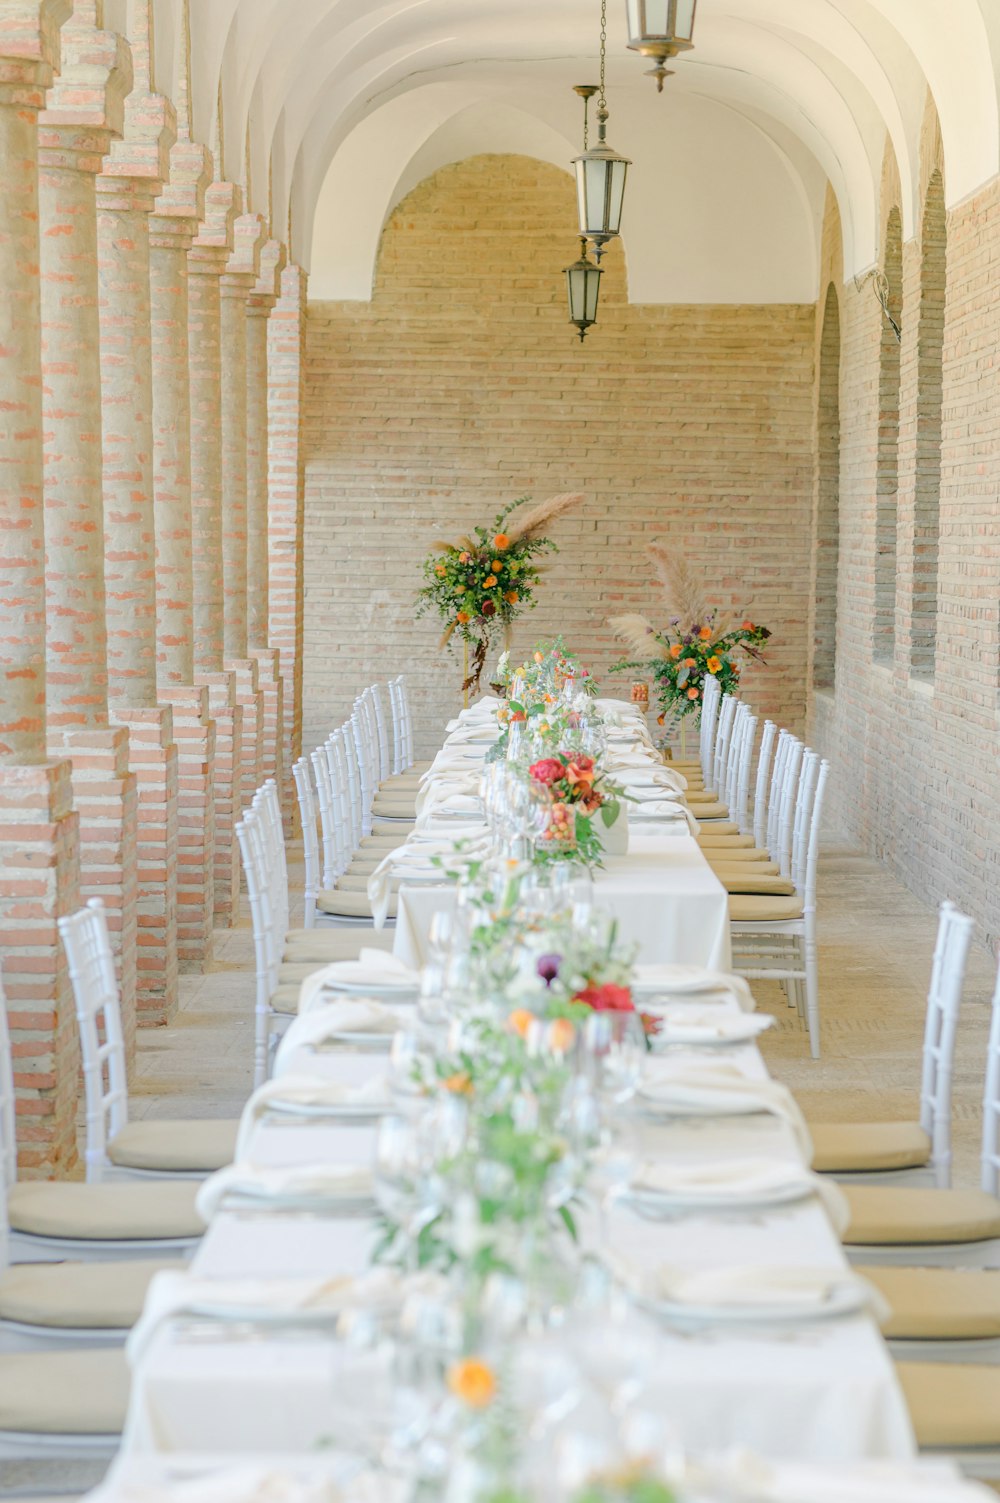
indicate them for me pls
(602, 103)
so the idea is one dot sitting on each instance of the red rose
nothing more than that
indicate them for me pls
(607, 998)
(584, 764)
(548, 771)
(487, 608)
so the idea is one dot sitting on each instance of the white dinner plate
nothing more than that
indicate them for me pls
(347, 1037)
(681, 981)
(648, 1199)
(346, 1111)
(721, 1033)
(393, 991)
(843, 1299)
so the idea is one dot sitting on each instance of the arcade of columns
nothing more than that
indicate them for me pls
(150, 531)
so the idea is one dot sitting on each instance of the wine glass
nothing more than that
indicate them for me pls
(616, 1041)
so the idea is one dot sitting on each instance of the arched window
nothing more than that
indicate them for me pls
(887, 465)
(828, 496)
(927, 498)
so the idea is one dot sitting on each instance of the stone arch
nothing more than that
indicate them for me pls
(930, 376)
(887, 461)
(827, 538)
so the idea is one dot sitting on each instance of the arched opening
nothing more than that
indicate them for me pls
(930, 370)
(828, 496)
(887, 464)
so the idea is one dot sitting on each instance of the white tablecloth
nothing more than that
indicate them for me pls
(663, 894)
(820, 1391)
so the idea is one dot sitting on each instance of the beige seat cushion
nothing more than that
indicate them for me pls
(352, 882)
(741, 880)
(712, 839)
(753, 909)
(347, 904)
(725, 866)
(701, 796)
(79, 1296)
(295, 974)
(938, 1304)
(861, 1146)
(395, 805)
(342, 943)
(897, 1216)
(404, 782)
(952, 1406)
(184, 1146)
(106, 1213)
(717, 813)
(382, 843)
(285, 999)
(736, 855)
(64, 1393)
(397, 828)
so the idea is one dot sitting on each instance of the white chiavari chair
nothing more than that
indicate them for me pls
(332, 849)
(917, 1152)
(767, 740)
(115, 1147)
(725, 851)
(311, 857)
(48, 1220)
(774, 934)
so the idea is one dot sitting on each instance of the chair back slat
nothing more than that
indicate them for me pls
(991, 1102)
(944, 1000)
(767, 740)
(95, 992)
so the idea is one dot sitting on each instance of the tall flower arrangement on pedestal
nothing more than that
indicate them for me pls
(480, 584)
(697, 642)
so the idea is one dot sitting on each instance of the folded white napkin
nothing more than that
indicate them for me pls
(736, 1182)
(375, 968)
(331, 1019)
(331, 1479)
(717, 1091)
(307, 1091)
(658, 780)
(178, 1294)
(293, 1182)
(660, 811)
(439, 792)
(748, 1288)
(686, 1025)
(654, 978)
(745, 1478)
(409, 862)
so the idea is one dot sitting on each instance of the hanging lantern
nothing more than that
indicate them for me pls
(660, 29)
(600, 172)
(583, 286)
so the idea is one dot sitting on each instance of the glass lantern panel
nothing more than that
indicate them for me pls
(634, 17)
(591, 180)
(576, 293)
(684, 21)
(593, 287)
(616, 195)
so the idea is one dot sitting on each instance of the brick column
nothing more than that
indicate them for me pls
(286, 506)
(127, 187)
(172, 227)
(259, 306)
(236, 286)
(39, 869)
(85, 108)
(207, 260)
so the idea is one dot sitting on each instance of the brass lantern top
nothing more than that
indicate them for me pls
(660, 29)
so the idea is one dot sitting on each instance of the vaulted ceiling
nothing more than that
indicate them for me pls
(350, 102)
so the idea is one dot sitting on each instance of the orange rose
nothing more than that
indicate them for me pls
(460, 1084)
(511, 597)
(462, 617)
(472, 1381)
(520, 1020)
(497, 565)
(660, 719)
(440, 571)
(706, 634)
(501, 541)
(747, 626)
(539, 658)
(463, 558)
(489, 582)
(676, 651)
(694, 694)
(714, 664)
(561, 1035)
(690, 662)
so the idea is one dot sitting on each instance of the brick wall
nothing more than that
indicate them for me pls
(462, 385)
(915, 763)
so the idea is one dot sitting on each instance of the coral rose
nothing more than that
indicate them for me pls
(607, 998)
(547, 771)
(694, 694)
(440, 571)
(501, 541)
(472, 1381)
(676, 651)
(463, 558)
(462, 617)
(706, 634)
(561, 1035)
(747, 626)
(489, 582)
(520, 1020)
(511, 597)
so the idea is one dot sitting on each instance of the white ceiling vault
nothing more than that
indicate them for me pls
(350, 103)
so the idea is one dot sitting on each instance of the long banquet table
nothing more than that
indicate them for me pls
(822, 1390)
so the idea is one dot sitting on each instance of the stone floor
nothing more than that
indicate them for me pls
(875, 955)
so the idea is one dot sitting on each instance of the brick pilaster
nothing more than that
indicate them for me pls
(194, 737)
(286, 506)
(227, 713)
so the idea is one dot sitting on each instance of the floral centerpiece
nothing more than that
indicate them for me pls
(481, 583)
(578, 790)
(698, 641)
